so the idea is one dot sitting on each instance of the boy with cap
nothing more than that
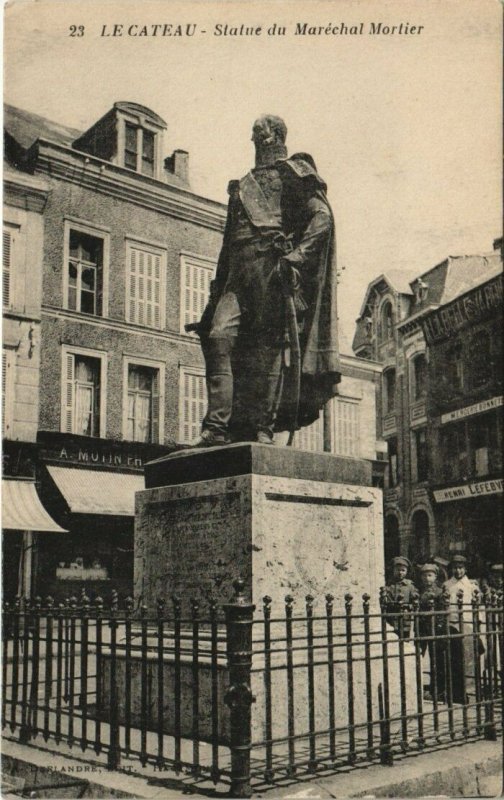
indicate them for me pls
(398, 593)
(432, 623)
(461, 628)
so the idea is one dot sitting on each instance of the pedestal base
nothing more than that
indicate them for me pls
(286, 521)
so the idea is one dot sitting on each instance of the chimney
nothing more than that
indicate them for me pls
(178, 164)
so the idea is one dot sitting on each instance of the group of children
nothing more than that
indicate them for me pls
(444, 630)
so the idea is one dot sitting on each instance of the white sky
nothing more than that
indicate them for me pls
(406, 130)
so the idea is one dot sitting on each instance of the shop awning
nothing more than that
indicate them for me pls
(22, 509)
(89, 491)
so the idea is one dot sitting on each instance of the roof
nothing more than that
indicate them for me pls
(466, 272)
(398, 280)
(135, 108)
(26, 127)
(22, 509)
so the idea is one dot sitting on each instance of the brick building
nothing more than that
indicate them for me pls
(389, 330)
(128, 251)
(464, 430)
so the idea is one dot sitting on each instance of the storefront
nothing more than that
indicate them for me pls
(25, 523)
(89, 486)
(470, 520)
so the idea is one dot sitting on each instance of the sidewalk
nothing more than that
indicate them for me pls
(470, 770)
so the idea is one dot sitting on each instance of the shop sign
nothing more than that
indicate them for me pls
(469, 411)
(85, 456)
(469, 490)
(470, 308)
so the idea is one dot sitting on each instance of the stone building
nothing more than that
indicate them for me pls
(126, 251)
(464, 429)
(24, 519)
(389, 330)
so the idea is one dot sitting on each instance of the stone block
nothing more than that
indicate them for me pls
(286, 521)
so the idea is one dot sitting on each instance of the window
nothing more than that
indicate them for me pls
(85, 271)
(418, 376)
(143, 404)
(139, 149)
(311, 437)
(196, 275)
(387, 322)
(421, 467)
(454, 452)
(393, 464)
(455, 367)
(8, 362)
(346, 427)
(7, 253)
(389, 380)
(193, 403)
(481, 371)
(419, 545)
(83, 396)
(479, 435)
(85, 282)
(145, 289)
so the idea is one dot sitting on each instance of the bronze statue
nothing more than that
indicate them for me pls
(276, 268)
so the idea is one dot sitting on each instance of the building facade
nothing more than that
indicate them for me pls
(390, 330)
(127, 252)
(24, 519)
(464, 431)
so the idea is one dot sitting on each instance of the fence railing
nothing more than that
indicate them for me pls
(274, 692)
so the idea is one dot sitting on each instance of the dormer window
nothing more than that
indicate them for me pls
(421, 290)
(129, 135)
(139, 149)
(387, 322)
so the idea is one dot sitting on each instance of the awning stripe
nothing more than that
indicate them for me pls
(22, 509)
(90, 491)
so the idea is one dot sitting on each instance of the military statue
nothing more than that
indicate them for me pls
(269, 331)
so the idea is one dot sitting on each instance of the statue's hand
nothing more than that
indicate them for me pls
(289, 275)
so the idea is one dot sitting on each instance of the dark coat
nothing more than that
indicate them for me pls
(304, 207)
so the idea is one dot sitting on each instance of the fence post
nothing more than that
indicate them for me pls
(114, 752)
(239, 698)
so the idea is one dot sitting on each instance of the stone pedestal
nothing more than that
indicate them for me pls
(286, 521)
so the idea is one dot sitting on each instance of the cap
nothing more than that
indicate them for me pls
(458, 560)
(439, 560)
(429, 568)
(401, 561)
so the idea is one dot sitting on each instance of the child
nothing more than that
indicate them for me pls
(431, 626)
(401, 591)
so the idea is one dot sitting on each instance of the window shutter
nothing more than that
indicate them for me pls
(6, 266)
(196, 289)
(310, 437)
(69, 393)
(144, 301)
(155, 406)
(347, 427)
(193, 405)
(4, 387)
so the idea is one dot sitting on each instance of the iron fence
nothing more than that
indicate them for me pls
(247, 696)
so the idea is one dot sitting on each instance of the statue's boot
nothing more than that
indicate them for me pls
(219, 381)
(271, 392)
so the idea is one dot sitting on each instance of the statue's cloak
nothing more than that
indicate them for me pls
(320, 365)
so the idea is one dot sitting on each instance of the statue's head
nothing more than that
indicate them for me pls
(268, 130)
(269, 134)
